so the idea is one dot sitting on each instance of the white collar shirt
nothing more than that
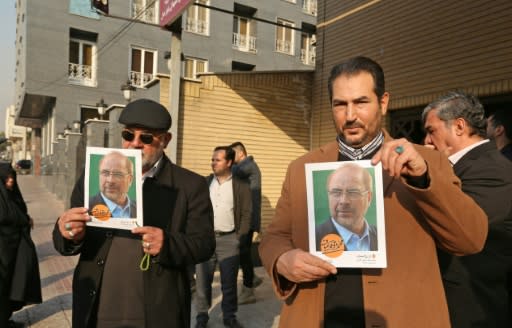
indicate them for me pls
(221, 195)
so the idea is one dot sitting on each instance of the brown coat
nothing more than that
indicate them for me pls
(408, 293)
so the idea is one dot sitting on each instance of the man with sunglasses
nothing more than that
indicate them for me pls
(350, 192)
(115, 179)
(111, 286)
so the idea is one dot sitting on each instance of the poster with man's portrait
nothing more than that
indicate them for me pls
(346, 213)
(113, 187)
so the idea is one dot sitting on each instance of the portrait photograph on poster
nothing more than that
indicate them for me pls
(346, 213)
(113, 187)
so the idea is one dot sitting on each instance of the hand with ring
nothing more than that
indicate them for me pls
(400, 158)
(72, 223)
(152, 239)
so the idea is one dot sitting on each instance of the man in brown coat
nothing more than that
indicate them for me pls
(424, 208)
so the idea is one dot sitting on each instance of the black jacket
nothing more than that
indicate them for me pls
(476, 285)
(176, 200)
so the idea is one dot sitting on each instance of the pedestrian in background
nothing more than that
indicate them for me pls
(20, 282)
(499, 129)
(231, 200)
(245, 167)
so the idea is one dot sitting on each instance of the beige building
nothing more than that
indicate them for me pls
(267, 111)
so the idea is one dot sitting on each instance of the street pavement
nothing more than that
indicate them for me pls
(57, 273)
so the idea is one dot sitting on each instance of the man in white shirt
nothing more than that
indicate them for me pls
(231, 200)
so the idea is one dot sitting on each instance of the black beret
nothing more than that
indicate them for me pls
(146, 113)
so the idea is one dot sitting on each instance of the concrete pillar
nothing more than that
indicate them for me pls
(114, 128)
(35, 150)
(95, 132)
(72, 154)
(174, 93)
(59, 150)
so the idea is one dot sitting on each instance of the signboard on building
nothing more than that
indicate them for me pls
(170, 10)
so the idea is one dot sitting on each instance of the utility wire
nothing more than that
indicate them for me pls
(99, 51)
(107, 43)
(253, 18)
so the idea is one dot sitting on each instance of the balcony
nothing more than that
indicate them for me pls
(81, 74)
(244, 43)
(308, 56)
(196, 26)
(309, 7)
(284, 46)
(143, 13)
(140, 80)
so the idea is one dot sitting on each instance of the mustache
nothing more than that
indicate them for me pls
(352, 125)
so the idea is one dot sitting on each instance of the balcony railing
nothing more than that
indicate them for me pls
(81, 74)
(244, 43)
(143, 13)
(284, 46)
(308, 56)
(196, 26)
(309, 6)
(139, 79)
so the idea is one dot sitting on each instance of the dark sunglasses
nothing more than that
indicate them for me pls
(146, 138)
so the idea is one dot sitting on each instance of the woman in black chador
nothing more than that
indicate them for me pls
(20, 283)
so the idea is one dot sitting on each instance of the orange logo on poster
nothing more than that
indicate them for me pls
(332, 245)
(101, 212)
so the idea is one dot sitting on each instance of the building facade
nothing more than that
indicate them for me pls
(69, 58)
(426, 49)
(267, 111)
(267, 35)
(19, 143)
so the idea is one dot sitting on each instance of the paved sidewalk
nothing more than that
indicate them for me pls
(57, 271)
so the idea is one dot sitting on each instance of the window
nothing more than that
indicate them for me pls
(82, 62)
(242, 34)
(241, 67)
(194, 66)
(308, 49)
(284, 37)
(143, 66)
(145, 10)
(309, 7)
(198, 18)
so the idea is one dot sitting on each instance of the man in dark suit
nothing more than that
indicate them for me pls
(350, 192)
(115, 179)
(111, 286)
(475, 285)
(245, 167)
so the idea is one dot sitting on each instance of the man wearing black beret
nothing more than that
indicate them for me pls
(110, 289)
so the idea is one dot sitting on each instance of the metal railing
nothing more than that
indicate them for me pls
(284, 46)
(81, 74)
(310, 7)
(244, 43)
(308, 56)
(143, 13)
(196, 26)
(139, 79)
